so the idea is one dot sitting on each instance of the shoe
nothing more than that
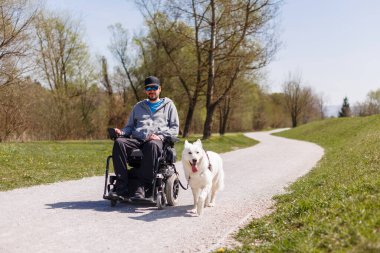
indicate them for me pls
(140, 193)
(113, 194)
(118, 195)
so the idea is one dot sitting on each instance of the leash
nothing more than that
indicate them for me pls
(180, 183)
(183, 187)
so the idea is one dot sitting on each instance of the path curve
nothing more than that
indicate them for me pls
(72, 216)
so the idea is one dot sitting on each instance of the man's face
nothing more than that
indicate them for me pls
(153, 91)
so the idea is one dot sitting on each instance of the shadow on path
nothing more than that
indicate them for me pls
(149, 212)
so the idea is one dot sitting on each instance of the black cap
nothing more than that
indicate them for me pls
(151, 80)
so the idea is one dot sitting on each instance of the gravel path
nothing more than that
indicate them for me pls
(72, 216)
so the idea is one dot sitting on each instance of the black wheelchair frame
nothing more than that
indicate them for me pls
(165, 182)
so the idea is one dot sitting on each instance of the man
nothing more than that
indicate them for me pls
(149, 122)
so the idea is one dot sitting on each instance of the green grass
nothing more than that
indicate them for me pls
(34, 163)
(335, 207)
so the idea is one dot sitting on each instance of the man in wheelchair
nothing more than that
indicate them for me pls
(150, 122)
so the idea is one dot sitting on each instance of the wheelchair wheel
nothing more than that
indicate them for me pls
(172, 190)
(161, 201)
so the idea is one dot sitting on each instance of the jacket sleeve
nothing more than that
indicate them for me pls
(173, 123)
(173, 120)
(128, 129)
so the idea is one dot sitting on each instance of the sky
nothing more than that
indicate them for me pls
(333, 44)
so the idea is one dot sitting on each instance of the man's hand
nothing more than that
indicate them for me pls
(117, 131)
(153, 137)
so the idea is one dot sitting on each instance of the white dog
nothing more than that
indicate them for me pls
(204, 173)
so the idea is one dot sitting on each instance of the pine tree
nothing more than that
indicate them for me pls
(345, 111)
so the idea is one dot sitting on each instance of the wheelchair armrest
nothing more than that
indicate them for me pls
(112, 133)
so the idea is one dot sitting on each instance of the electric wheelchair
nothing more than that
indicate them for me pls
(165, 185)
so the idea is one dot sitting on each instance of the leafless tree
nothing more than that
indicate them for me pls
(60, 50)
(113, 116)
(321, 105)
(297, 98)
(63, 60)
(122, 50)
(16, 17)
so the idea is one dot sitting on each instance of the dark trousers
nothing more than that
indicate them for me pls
(122, 148)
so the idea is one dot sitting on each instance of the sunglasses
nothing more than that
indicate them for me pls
(149, 88)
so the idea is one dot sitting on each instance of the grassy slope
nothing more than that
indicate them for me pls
(26, 164)
(336, 207)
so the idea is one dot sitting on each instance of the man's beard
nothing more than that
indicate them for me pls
(152, 97)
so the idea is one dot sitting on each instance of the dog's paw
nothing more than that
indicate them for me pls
(193, 211)
(211, 204)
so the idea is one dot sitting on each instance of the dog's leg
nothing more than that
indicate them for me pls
(208, 198)
(196, 193)
(201, 200)
(213, 193)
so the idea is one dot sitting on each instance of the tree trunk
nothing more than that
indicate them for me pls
(210, 107)
(207, 129)
(189, 116)
(294, 120)
(224, 114)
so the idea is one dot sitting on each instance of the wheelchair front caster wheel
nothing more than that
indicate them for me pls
(161, 201)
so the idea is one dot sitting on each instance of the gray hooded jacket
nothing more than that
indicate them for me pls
(142, 122)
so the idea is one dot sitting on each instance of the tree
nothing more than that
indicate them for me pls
(296, 98)
(274, 114)
(175, 38)
(105, 80)
(121, 49)
(16, 17)
(345, 110)
(321, 105)
(229, 39)
(63, 60)
(116, 102)
(374, 97)
(235, 112)
(370, 106)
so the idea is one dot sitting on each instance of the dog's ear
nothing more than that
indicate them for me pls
(186, 143)
(198, 143)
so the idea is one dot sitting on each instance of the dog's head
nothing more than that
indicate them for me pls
(192, 154)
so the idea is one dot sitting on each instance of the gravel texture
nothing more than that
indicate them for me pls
(72, 216)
